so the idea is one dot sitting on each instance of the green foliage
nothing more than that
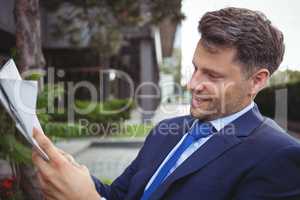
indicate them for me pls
(135, 130)
(11, 148)
(99, 41)
(13, 53)
(46, 100)
(47, 97)
(63, 130)
(34, 76)
(14, 150)
(106, 181)
(57, 131)
(114, 110)
(55, 124)
(161, 9)
(283, 77)
(127, 12)
(104, 21)
(44, 118)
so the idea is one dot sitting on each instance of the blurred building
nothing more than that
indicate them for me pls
(141, 52)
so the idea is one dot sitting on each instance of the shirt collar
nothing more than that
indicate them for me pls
(222, 122)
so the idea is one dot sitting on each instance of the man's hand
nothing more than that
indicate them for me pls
(59, 178)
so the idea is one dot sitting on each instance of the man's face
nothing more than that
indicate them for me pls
(218, 85)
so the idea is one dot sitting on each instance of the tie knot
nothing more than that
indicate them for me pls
(202, 129)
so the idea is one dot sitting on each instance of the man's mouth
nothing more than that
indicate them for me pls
(198, 101)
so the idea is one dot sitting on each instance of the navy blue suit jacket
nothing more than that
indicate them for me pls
(250, 159)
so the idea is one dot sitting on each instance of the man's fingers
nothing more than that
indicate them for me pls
(57, 160)
(85, 169)
(45, 143)
(42, 165)
(39, 162)
(45, 187)
(42, 183)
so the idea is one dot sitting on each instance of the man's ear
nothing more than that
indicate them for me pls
(259, 81)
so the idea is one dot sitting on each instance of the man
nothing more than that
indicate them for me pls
(225, 149)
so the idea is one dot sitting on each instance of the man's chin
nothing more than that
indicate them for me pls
(196, 113)
(201, 114)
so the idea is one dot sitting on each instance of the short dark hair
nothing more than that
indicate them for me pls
(258, 43)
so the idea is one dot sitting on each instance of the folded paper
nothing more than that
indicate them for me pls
(19, 97)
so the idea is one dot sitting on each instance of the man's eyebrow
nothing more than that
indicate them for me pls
(205, 69)
(211, 71)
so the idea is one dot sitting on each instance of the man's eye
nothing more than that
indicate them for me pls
(195, 70)
(214, 76)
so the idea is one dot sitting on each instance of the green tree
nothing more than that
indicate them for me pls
(28, 55)
(105, 22)
(284, 77)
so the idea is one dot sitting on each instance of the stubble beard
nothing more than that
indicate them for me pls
(210, 112)
(218, 109)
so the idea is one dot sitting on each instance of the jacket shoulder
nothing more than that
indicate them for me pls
(271, 132)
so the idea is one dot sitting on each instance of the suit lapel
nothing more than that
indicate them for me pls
(213, 148)
(168, 143)
(222, 141)
(169, 139)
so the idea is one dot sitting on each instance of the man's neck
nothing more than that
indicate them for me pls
(223, 121)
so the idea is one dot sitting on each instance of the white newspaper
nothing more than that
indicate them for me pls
(19, 98)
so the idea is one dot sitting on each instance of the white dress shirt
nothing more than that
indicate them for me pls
(218, 125)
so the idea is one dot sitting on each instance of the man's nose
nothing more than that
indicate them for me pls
(195, 84)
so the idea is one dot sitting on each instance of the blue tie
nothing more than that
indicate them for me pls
(199, 130)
